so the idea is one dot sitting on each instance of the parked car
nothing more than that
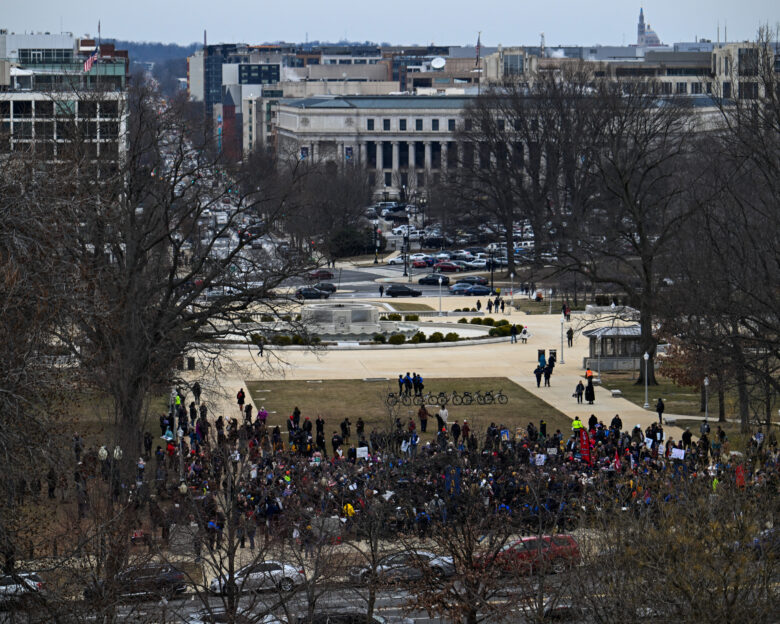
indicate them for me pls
(325, 287)
(461, 254)
(219, 615)
(432, 279)
(478, 290)
(396, 260)
(460, 288)
(344, 617)
(311, 293)
(419, 264)
(472, 279)
(554, 553)
(144, 581)
(320, 274)
(446, 267)
(261, 575)
(16, 588)
(461, 264)
(477, 263)
(399, 290)
(404, 567)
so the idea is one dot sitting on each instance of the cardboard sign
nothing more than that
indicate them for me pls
(362, 452)
(678, 453)
(540, 459)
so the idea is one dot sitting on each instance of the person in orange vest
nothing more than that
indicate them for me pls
(588, 374)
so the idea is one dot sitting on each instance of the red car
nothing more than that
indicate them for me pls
(321, 274)
(549, 553)
(446, 267)
(419, 264)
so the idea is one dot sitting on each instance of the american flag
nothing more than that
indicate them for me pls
(91, 60)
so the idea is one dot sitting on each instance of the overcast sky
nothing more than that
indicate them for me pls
(455, 22)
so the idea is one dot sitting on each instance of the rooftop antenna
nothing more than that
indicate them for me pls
(718, 33)
(725, 32)
(205, 41)
(541, 51)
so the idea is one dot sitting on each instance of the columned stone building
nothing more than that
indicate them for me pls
(405, 142)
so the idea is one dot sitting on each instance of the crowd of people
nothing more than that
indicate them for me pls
(273, 469)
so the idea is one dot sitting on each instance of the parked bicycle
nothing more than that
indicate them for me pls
(394, 399)
(462, 399)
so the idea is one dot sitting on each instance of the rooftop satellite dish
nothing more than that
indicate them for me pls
(438, 63)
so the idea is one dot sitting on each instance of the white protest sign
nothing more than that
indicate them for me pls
(362, 452)
(404, 446)
(540, 459)
(678, 453)
(552, 451)
(648, 442)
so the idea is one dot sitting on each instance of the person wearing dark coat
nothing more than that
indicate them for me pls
(538, 372)
(660, 407)
(590, 392)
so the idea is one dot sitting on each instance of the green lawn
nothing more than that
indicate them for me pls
(335, 399)
(682, 400)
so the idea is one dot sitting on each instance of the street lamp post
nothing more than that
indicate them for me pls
(492, 267)
(407, 272)
(646, 357)
(563, 318)
(440, 281)
(376, 242)
(706, 398)
(512, 291)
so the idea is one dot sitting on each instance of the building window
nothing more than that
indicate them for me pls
(513, 65)
(727, 90)
(402, 125)
(369, 124)
(418, 125)
(696, 88)
(388, 178)
(681, 88)
(501, 125)
(748, 90)
(748, 62)
(435, 125)
(451, 125)
(386, 125)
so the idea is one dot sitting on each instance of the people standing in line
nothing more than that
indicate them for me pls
(408, 384)
(590, 392)
(579, 391)
(489, 306)
(570, 336)
(660, 407)
(400, 384)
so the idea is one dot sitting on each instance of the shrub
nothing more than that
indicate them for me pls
(393, 317)
(287, 318)
(476, 321)
(501, 323)
(397, 339)
(463, 320)
(282, 340)
(503, 330)
(297, 317)
(267, 318)
(451, 337)
(380, 338)
(315, 340)
(488, 321)
(245, 319)
(297, 339)
(412, 317)
(418, 338)
(257, 339)
(473, 309)
(436, 337)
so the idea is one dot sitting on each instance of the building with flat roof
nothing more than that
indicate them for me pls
(49, 97)
(404, 142)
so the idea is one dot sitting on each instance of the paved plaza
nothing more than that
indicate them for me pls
(496, 359)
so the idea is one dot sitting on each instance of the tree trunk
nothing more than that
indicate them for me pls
(721, 403)
(742, 393)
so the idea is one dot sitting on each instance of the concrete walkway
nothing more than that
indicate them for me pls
(515, 361)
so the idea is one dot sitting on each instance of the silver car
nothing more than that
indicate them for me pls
(259, 576)
(406, 566)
